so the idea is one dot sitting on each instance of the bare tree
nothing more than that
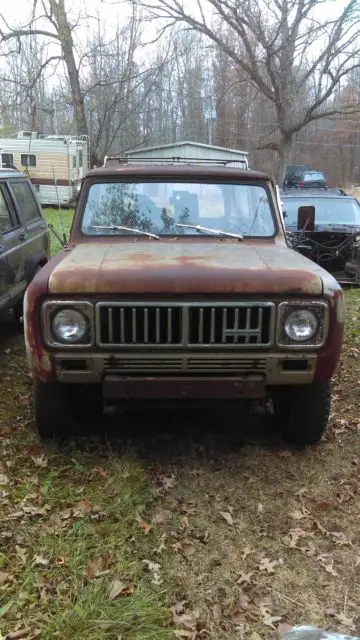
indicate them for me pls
(60, 31)
(286, 52)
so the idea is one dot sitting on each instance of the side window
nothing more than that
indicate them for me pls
(26, 200)
(6, 223)
(28, 160)
(7, 158)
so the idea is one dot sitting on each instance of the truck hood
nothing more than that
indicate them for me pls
(180, 267)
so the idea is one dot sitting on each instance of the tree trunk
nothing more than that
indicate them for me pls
(67, 45)
(285, 157)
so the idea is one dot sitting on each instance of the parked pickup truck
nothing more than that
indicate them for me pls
(178, 285)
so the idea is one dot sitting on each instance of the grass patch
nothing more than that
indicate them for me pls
(61, 220)
(213, 536)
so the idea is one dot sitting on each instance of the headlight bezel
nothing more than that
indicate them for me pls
(319, 308)
(51, 308)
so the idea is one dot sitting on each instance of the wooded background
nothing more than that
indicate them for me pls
(278, 78)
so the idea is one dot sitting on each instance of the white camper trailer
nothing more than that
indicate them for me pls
(55, 164)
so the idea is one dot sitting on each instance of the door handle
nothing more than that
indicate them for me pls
(23, 236)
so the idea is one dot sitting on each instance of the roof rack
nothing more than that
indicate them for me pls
(314, 191)
(116, 160)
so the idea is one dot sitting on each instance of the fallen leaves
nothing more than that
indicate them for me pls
(82, 509)
(162, 546)
(227, 517)
(245, 578)
(327, 564)
(154, 568)
(145, 526)
(299, 514)
(118, 588)
(267, 618)
(187, 620)
(40, 461)
(4, 578)
(347, 622)
(40, 561)
(98, 567)
(4, 479)
(267, 565)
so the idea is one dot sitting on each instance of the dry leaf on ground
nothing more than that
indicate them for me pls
(244, 578)
(267, 618)
(145, 526)
(40, 561)
(267, 565)
(40, 461)
(4, 577)
(227, 516)
(4, 480)
(119, 588)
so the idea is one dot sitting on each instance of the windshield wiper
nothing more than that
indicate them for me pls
(116, 227)
(217, 232)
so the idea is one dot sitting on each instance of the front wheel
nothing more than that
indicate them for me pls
(62, 409)
(302, 412)
(54, 409)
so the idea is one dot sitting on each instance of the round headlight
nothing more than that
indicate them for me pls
(69, 326)
(301, 325)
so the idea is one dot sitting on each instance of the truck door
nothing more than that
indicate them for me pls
(34, 238)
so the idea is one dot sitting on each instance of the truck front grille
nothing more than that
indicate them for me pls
(155, 363)
(185, 325)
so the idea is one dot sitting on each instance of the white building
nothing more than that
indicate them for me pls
(190, 151)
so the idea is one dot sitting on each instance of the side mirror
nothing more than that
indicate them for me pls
(306, 218)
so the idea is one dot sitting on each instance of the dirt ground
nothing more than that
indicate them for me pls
(188, 526)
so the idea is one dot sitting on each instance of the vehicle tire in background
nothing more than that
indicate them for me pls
(54, 409)
(302, 412)
(65, 409)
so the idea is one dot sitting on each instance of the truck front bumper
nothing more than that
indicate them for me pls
(180, 375)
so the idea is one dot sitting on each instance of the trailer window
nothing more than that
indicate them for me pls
(7, 158)
(28, 160)
(26, 201)
(80, 158)
(74, 162)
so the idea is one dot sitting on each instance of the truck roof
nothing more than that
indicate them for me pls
(11, 173)
(175, 170)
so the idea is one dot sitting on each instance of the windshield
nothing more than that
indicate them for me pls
(327, 210)
(310, 177)
(157, 207)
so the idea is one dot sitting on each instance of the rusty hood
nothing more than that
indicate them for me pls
(184, 267)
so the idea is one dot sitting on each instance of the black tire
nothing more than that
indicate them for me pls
(302, 412)
(54, 409)
(18, 311)
(88, 404)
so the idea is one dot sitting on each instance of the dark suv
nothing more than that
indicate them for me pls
(306, 179)
(24, 238)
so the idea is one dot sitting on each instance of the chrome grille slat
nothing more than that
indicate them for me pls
(146, 325)
(122, 326)
(186, 362)
(111, 326)
(169, 327)
(188, 325)
(212, 326)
